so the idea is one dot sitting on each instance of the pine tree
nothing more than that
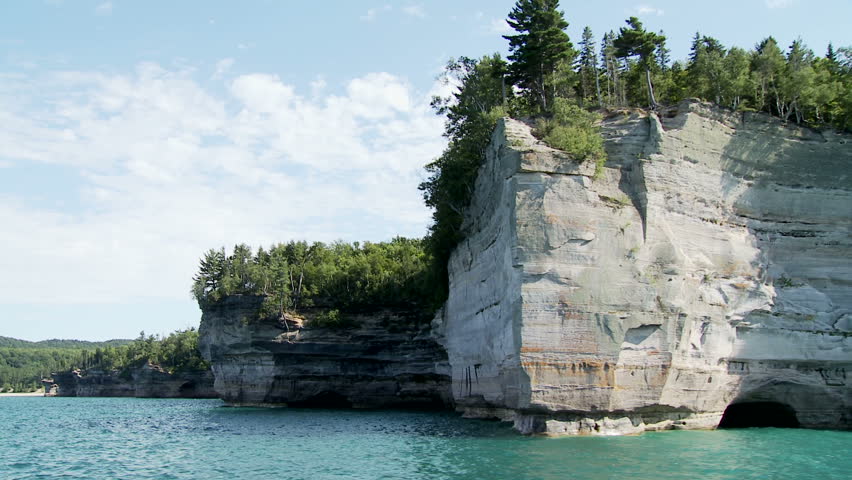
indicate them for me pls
(612, 71)
(636, 42)
(705, 68)
(767, 65)
(210, 274)
(663, 54)
(539, 47)
(589, 78)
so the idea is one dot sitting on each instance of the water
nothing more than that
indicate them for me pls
(125, 438)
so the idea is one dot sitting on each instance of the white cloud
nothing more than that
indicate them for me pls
(374, 12)
(643, 10)
(167, 169)
(104, 8)
(778, 3)
(318, 86)
(500, 27)
(414, 11)
(222, 67)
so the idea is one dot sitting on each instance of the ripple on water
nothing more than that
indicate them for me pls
(95, 438)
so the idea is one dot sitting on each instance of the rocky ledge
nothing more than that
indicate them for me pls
(383, 359)
(148, 381)
(708, 270)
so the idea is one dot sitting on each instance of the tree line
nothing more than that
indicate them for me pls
(566, 89)
(341, 276)
(23, 364)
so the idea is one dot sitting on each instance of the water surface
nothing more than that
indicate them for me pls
(111, 438)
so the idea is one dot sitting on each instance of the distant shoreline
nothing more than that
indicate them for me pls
(30, 394)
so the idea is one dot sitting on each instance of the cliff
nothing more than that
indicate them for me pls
(383, 359)
(709, 266)
(147, 381)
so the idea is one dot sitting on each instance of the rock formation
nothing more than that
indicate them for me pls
(710, 265)
(384, 360)
(148, 381)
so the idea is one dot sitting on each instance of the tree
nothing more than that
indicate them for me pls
(706, 69)
(210, 274)
(471, 112)
(796, 89)
(590, 81)
(539, 47)
(612, 71)
(636, 42)
(767, 65)
(737, 85)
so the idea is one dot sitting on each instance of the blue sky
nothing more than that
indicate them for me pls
(136, 135)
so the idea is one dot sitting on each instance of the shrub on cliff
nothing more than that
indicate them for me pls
(574, 130)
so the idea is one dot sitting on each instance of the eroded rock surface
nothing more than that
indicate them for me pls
(148, 381)
(385, 360)
(710, 265)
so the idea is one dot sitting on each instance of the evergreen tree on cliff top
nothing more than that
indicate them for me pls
(539, 47)
(635, 41)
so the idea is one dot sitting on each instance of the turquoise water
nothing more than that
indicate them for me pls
(122, 438)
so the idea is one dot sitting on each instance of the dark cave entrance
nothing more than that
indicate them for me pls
(759, 414)
(186, 388)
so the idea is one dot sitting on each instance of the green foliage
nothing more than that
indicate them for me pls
(22, 368)
(472, 112)
(635, 41)
(23, 364)
(574, 130)
(177, 352)
(340, 276)
(590, 87)
(332, 319)
(539, 48)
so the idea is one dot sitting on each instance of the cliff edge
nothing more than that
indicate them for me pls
(709, 266)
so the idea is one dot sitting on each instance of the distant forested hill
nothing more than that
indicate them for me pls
(23, 364)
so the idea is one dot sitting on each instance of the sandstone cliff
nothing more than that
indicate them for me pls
(710, 265)
(384, 360)
(147, 381)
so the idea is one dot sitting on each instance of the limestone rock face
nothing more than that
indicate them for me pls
(147, 381)
(711, 264)
(385, 360)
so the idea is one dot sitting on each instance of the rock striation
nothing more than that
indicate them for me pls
(148, 381)
(383, 359)
(710, 265)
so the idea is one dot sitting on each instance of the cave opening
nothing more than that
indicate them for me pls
(759, 414)
(186, 387)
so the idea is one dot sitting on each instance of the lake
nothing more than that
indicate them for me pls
(128, 438)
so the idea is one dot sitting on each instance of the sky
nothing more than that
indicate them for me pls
(135, 135)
